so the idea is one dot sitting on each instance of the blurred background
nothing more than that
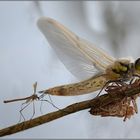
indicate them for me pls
(26, 57)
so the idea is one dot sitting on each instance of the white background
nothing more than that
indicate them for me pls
(26, 57)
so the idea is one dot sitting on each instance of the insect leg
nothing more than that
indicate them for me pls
(134, 104)
(33, 110)
(41, 98)
(22, 110)
(129, 112)
(126, 114)
(106, 84)
(21, 115)
(131, 81)
(136, 75)
(41, 107)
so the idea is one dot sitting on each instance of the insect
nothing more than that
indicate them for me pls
(91, 65)
(28, 100)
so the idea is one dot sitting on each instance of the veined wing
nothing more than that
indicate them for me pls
(81, 57)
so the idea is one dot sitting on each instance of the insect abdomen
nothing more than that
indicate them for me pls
(84, 87)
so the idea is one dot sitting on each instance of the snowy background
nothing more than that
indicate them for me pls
(26, 57)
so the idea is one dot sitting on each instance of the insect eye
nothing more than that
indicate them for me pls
(137, 64)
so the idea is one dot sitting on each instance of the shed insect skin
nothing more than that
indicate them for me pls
(126, 108)
(115, 109)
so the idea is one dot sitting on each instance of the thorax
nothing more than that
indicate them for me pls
(120, 69)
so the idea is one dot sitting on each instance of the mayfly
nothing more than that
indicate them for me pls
(91, 65)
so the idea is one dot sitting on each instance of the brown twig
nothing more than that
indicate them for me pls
(114, 95)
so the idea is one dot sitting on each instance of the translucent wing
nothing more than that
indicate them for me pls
(80, 57)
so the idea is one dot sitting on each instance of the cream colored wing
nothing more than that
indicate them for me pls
(81, 57)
